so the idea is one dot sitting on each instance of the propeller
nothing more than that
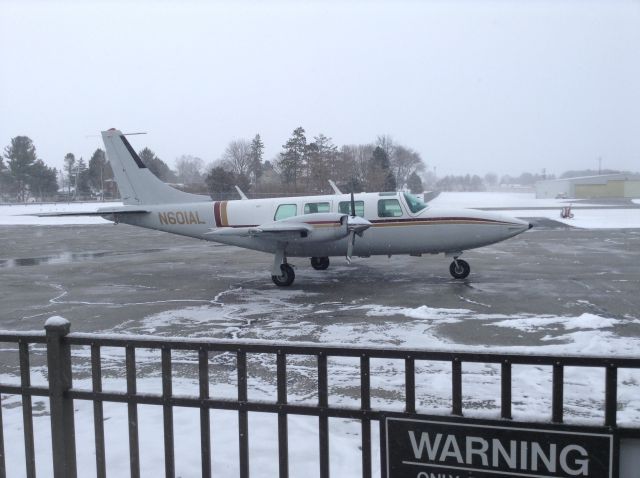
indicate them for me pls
(355, 225)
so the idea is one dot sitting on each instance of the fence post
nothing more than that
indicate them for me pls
(63, 440)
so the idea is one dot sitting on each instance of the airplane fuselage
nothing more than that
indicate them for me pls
(395, 227)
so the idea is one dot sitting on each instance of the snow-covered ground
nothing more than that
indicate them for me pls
(494, 200)
(587, 334)
(525, 205)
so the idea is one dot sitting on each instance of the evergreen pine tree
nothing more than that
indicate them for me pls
(220, 183)
(99, 171)
(69, 168)
(255, 158)
(293, 158)
(379, 174)
(156, 165)
(414, 183)
(21, 155)
(43, 181)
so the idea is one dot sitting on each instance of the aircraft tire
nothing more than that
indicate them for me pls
(287, 277)
(320, 263)
(460, 270)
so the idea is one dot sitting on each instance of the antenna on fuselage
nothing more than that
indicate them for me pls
(243, 196)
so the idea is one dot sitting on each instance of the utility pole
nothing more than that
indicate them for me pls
(599, 165)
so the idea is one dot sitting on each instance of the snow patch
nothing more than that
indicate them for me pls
(584, 321)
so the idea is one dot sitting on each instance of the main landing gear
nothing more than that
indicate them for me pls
(459, 269)
(283, 274)
(320, 263)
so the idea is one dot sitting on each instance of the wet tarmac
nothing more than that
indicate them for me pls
(124, 279)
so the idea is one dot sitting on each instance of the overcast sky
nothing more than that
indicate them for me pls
(473, 86)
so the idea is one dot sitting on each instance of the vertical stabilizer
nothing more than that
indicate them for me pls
(136, 183)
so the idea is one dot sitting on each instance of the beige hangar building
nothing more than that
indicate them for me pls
(586, 187)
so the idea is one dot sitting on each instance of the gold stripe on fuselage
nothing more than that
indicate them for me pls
(224, 219)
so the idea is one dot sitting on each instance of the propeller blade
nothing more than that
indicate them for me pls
(352, 240)
(355, 225)
(353, 205)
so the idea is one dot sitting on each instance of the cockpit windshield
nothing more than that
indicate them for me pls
(415, 204)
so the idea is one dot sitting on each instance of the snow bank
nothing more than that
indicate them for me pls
(493, 200)
(586, 218)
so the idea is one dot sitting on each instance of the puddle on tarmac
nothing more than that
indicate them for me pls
(67, 258)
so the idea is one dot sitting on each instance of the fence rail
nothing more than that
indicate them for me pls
(61, 393)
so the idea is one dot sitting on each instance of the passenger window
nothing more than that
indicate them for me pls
(313, 207)
(344, 207)
(286, 210)
(389, 208)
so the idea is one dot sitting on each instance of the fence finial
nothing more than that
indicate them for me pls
(57, 324)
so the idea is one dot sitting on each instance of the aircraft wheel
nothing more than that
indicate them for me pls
(287, 277)
(459, 269)
(320, 263)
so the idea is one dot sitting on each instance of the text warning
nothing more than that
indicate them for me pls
(436, 449)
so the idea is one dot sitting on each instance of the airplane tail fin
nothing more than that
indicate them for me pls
(136, 183)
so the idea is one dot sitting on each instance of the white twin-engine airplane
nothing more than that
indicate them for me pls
(318, 227)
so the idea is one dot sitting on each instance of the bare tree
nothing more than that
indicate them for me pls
(354, 166)
(321, 164)
(237, 157)
(387, 144)
(189, 169)
(404, 162)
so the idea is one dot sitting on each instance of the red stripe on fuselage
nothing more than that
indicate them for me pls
(427, 220)
(216, 213)
(393, 222)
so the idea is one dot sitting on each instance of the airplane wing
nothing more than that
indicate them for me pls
(105, 211)
(316, 226)
(285, 231)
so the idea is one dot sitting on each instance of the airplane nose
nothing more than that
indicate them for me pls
(530, 225)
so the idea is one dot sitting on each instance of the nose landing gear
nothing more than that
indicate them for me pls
(287, 277)
(459, 269)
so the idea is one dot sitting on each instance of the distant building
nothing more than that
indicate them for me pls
(587, 187)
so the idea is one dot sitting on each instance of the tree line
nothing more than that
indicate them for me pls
(303, 166)
(26, 177)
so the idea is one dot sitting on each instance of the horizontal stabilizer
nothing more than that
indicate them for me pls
(100, 212)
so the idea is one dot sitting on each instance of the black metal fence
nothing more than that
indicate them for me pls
(61, 393)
